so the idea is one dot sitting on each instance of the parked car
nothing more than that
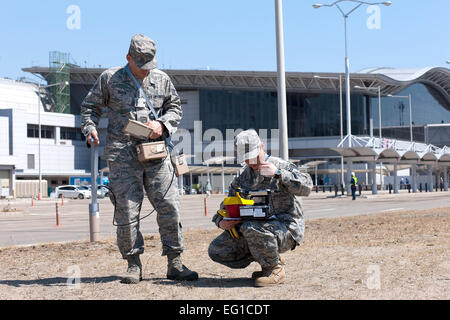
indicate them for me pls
(101, 191)
(70, 191)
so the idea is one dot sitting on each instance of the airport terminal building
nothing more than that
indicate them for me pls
(222, 100)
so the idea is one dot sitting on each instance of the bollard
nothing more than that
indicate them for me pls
(39, 196)
(205, 205)
(57, 215)
(62, 200)
(32, 201)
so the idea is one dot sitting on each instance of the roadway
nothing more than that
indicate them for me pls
(37, 224)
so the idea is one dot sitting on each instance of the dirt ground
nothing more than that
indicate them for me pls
(396, 255)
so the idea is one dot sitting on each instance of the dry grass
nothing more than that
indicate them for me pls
(410, 250)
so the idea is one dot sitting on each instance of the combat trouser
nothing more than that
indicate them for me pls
(127, 182)
(260, 241)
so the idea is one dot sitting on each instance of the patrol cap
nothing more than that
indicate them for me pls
(247, 144)
(143, 51)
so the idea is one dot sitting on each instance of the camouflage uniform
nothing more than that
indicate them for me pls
(115, 90)
(262, 241)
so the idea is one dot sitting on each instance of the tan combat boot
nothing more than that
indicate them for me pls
(176, 270)
(271, 276)
(258, 274)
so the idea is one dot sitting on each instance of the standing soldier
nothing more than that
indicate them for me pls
(116, 90)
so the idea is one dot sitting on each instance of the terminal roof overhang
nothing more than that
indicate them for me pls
(366, 149)
(391, 81)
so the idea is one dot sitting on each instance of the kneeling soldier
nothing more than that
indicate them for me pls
(263, 240)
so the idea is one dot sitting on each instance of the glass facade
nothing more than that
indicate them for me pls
(309, 115)
(317, 115)
(233, 109)
(426, 109)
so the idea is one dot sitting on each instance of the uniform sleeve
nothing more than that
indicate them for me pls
(172, 111)
(296, 182)
(91, 108)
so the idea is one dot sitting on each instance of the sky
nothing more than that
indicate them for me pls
(224, 35)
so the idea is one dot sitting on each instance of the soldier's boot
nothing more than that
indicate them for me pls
(258, 274)
(272, 276)
(176, 270)
(134, 270)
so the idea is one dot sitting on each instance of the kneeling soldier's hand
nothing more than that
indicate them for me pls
(228, 224)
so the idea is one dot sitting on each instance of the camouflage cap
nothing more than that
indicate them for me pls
(247, 144)
(143, 51)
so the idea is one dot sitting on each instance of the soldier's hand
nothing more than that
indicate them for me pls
(228, 224)
(158, 129)
(93, 135)
(267, 169)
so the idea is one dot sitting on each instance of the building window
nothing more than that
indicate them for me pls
(33, 131)
(47, 132)
(70, 134)
(30, 160)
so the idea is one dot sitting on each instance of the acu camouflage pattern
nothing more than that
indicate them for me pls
(127, 182)
(262, 241)
(115, 92)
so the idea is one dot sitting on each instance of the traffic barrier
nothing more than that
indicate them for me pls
(57, 215)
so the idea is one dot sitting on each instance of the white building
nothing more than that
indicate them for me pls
(64, 156)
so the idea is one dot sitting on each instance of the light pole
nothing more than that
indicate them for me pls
(282, 105)
(63, 84)
(347, 63)
(341, 120)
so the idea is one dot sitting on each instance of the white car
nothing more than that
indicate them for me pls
(101, 191)
(74, 192)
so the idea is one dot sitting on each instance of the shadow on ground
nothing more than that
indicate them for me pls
(58, 281)
(206, 282)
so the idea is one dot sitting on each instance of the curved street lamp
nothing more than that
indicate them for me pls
(347, 64)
